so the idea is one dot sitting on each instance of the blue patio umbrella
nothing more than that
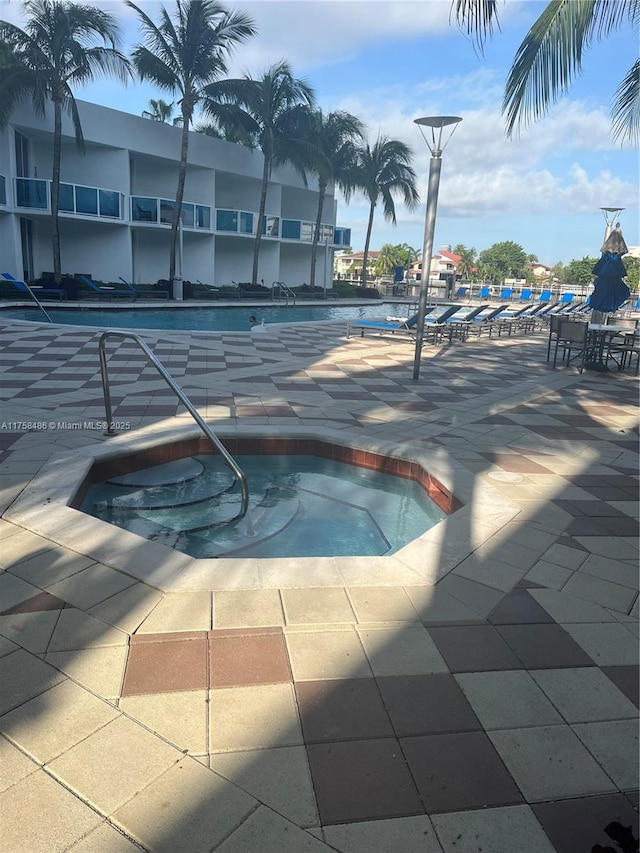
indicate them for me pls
(610, 291)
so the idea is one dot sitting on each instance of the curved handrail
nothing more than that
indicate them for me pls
(186, 402)
(286, 290)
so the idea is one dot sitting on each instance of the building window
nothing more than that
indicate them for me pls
(203, 216)
(109, 203)
(87, 200)
(31, 193)
(227, 220)
(144, 209)
(291, 229)
(270, 226)
(246, 223)
(65, 199)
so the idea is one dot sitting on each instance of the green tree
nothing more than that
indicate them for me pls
(579, 273)
(550, 56)
(467, 264)
(273, 111)
(181, 55)
(334, 137)
(392, 256)
(381, 171)
(63, 45)
(504, 260)
(633, 273)
(160, 110)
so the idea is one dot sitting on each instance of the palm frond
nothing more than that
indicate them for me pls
(550, 56)
(625, 110)
(476, 18)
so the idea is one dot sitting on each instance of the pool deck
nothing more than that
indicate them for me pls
(495, 710)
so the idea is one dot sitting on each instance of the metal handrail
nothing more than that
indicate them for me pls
(286, 290)
(38, 303)
(186, 402)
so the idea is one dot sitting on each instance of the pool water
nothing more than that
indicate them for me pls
(219, 319)
(300, 506)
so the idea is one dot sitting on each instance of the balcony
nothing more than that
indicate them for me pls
(160, 211)
(3, 190)
(244, 222)
(35, 194)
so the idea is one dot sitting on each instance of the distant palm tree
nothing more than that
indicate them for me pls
(550, 56)
(274, 112)
(334, 137)
(466, 266)
(63, 44)
(381, 171)
(182, 54)
(160, 110)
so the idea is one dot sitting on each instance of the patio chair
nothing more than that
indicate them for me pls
(510, 320)
(545, 296)
(623, 347)
(459, 326)
(485, 292)
(525, 295)
(19, 288)
(506, 293)
(461, 292)
(489, 320)
(93, 290)
(572, 337)
(407, 326)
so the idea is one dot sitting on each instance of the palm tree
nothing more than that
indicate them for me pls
(466, 266)
(333, 136)
(160, 110)
(63, 44)
(550, 56)
(380, 172)
(274, 112)
(182, 55)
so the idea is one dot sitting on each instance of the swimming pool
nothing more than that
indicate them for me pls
(203, 319)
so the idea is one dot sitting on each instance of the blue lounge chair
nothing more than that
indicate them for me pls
(22, 289)
(385, 326)
(94, 290)
(567, 298)
(461, 292)
(506, 293)
(485, 292)
(487, 320)
(545, 296)
(525, 295)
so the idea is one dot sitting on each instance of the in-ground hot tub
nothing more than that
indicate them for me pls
(48, 507)
(307, 499)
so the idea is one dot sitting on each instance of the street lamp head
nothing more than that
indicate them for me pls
(437, 125)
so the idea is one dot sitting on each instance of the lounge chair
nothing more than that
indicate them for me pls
(461, 292)
(137, 292)
(459, 326)
(485, 292)
(488, 320)
(19, 289)
(545, 296)
(525, 295)
(407, 326)
(509, 320)
(437, 325)
(506, 293)
(94, 291)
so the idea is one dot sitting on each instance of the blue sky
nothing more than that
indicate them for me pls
(390, 62)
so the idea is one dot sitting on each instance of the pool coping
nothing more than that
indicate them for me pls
(44, 508)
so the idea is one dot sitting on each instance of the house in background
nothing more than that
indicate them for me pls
(117, 199)
(349, 264)
(442, 261)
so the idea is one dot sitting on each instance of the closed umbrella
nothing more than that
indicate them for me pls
(610, 291)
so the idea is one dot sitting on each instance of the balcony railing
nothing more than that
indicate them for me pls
(3, 190)
(35, 194)
(244, 222)
(160, 210)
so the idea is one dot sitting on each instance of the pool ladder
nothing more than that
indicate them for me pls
(279, 287)
(186, 402)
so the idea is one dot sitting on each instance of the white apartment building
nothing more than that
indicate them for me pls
(117, 198)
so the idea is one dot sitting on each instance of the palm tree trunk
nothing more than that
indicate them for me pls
(263, 205)
(322, 186)
(182, 174)
(55, 189)
(366, 245)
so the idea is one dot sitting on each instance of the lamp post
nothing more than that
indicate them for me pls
(437, 125)
(610, 215)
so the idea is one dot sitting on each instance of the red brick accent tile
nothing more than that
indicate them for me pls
(166, 666)
(247, 659)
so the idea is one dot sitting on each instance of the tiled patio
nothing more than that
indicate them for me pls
(495, 712)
